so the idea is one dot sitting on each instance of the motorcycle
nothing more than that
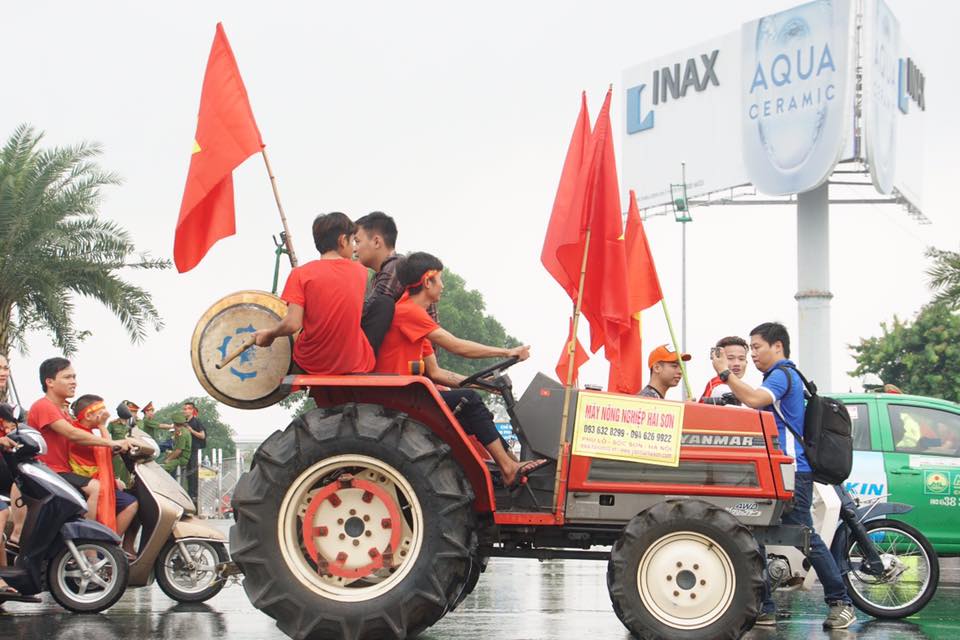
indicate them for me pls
(890, 569)
(187, 557)
(78, 561)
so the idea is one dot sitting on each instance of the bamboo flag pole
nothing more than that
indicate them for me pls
(283, 218)
(571, 357)
(676, 347)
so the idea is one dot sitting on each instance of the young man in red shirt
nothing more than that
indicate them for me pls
(325, 298)
(92, 414)
(59, 383)
(735, 348)
(407, 349)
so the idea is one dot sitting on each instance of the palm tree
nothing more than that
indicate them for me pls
(55, 246)
(945, 276)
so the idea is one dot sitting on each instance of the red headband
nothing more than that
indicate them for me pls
(90, 409)
(423, 279)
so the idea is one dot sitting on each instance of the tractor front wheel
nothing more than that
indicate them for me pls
(354, 523)
(686, 569)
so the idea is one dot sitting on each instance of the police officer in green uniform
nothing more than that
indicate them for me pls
(119, 430)
(152, 426)
(179, 454)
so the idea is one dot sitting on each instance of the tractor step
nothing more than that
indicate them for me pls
(533, 496)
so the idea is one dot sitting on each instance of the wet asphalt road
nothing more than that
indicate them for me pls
(515, 600)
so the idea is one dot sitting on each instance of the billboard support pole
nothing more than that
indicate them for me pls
(813, 284)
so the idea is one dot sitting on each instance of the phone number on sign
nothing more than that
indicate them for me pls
(617, 432)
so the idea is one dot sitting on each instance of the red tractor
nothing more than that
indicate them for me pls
(375, 514)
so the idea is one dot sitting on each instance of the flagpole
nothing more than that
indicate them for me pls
(673, 337)
(283, 218)
(571, 356)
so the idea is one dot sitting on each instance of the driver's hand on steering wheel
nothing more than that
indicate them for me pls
(521, 352)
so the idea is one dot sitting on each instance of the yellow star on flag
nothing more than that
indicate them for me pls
(196, 147)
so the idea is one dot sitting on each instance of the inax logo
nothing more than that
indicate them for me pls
(668, 83)
(911, 85)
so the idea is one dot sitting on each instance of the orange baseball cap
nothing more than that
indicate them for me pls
(665, 353)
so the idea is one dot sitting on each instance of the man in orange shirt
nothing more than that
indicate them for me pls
(407, 349)
(325, 298)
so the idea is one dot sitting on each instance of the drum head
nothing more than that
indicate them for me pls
(253, 379)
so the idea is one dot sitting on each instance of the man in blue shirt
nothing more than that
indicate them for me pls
(782, 393)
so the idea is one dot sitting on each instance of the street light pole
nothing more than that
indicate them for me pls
(683, 269)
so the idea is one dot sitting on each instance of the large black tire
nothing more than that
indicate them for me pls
(169, 563)
(65, 583)
(685, 569)
(925, 565)
(356, 442)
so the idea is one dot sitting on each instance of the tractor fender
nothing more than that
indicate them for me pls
(415, 396)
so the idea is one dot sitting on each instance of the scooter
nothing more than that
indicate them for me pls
(185, 556)
(890, 569)
(78, 560)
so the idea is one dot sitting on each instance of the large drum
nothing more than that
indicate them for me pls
(253, 379)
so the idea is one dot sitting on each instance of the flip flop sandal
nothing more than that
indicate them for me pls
(525, 470)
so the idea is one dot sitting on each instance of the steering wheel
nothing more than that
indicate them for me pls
(476, 379)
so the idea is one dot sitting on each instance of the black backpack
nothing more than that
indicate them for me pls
(827, 433)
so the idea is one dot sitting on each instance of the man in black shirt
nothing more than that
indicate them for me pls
(376, 241)
(198, 438)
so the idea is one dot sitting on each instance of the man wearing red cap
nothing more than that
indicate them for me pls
(665, 372)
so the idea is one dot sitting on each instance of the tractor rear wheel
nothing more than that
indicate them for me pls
(354, 523)
(686, 569)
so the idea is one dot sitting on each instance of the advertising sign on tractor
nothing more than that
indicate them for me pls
(628, 428)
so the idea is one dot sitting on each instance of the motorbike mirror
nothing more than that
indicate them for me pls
(123, 412)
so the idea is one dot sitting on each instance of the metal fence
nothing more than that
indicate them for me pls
(218, 477)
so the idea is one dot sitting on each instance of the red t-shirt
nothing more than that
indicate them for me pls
(42, 414)
(406, 341)
(331, 294)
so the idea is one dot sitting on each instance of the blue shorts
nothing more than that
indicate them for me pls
(124, 500)
(4, 505)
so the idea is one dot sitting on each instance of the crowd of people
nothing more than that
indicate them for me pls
(85, 447)
(781, 392)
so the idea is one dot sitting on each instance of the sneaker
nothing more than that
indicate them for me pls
(767, 619)
(841, 616)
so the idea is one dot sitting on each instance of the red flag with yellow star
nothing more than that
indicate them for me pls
(227, 134)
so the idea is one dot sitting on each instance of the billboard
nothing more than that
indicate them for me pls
(772, 105)
(894, 103)
(795, 109)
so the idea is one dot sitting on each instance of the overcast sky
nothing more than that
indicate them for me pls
(454, 118)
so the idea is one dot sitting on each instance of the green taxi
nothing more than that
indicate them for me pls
(907, 449)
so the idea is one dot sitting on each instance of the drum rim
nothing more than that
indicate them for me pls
(267, 300)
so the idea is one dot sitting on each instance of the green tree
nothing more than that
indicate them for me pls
(462, 313)
(55, 245)
(219, 434)
(944, 276)
(921, 357)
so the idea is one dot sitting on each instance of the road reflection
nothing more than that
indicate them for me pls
(514, 600)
